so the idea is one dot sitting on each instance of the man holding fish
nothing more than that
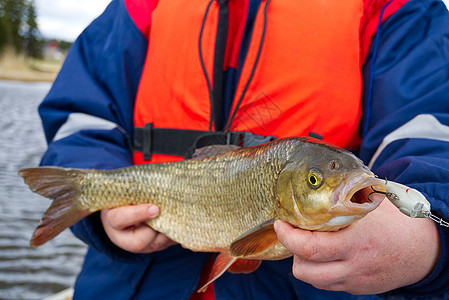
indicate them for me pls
(153, 81)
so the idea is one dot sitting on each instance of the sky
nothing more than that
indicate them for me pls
(66, 19)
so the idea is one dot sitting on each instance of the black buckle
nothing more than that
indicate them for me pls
(147, 138)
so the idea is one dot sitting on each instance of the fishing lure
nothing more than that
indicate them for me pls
(410, 202)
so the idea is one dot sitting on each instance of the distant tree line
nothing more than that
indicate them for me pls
(19, 29)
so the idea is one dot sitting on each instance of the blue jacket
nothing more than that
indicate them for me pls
(88, 122)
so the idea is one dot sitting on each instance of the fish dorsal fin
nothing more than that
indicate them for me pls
(221, 264)
(255, 240)
(213, 150)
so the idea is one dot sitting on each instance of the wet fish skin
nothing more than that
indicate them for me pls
(226, 203)
(204, 204)
(215, 199)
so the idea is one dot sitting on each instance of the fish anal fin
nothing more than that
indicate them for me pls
(244, 266)
(254, 241)
(221, 264)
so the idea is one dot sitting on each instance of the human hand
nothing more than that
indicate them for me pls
(126, 228)
(383, 251)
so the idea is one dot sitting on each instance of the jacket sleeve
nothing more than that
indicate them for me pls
(88, 114)
(406, 125)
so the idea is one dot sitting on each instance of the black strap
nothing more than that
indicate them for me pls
(220, 47)
(182, 142)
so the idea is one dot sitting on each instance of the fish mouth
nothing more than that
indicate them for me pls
(359, 195)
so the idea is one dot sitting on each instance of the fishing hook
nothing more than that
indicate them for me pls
(388, 195)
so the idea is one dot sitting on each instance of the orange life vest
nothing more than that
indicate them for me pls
(302, 72)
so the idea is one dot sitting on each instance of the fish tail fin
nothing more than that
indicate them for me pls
(61, 185)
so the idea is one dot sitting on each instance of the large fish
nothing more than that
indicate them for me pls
(226, 203)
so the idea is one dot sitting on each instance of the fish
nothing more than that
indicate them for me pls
(224, 202)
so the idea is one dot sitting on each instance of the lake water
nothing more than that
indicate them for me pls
(25, 272)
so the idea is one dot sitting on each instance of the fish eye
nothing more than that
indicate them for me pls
(314, 179)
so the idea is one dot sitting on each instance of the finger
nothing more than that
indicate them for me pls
(135, 239)
(161, 242)
(332, 275)
(143, 239)
(126, 216)
(313, 245)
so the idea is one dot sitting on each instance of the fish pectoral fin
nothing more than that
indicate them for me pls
(244, 266)
(221, 264)
(255, 240)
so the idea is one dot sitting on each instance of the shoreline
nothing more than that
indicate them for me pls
(18, 68)
(27, 77)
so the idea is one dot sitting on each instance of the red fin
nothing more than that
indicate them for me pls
(255, 240)
(61, 185)
(244, 266)
(221, 264)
